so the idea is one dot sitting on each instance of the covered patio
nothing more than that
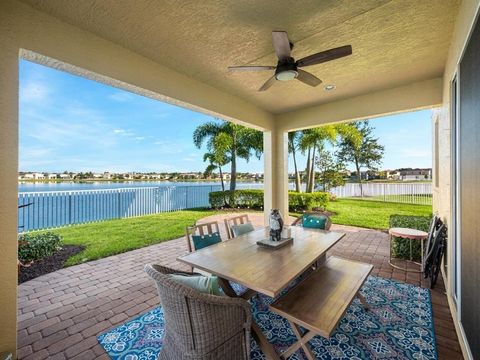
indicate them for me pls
(407, 55)
(61, 314)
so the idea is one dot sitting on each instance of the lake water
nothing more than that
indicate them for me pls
(100, 185)
(49, 205)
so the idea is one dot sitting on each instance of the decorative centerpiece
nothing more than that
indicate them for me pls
(279, 236)
(276, 225)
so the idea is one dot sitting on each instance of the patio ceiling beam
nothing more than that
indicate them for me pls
(414, 96)
(52, 42)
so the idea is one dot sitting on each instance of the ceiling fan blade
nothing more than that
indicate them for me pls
(268, 83)
(281, 44)
(250, 68)
(308, 78)
(325, 56)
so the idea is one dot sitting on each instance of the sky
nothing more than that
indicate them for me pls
(75, 124)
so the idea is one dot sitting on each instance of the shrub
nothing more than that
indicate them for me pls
(307, 201)
(37, 246)
(254, 199)
(401, 247)
(236, 198)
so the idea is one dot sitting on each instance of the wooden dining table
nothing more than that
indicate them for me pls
(260, 269)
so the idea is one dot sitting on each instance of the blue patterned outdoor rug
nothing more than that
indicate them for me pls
(399, 325)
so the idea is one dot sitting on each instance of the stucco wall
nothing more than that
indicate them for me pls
(443, 192)
(68, 48)
(83, 53)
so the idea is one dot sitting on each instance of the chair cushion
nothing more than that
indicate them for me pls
(203, 284)
(242, 229)
(202, 241)
(314, 221)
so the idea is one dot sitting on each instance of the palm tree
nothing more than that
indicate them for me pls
(312, 140)
(293, 138)
(215, 163)
(236, 141)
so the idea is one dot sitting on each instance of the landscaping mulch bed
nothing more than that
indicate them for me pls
(49, 264)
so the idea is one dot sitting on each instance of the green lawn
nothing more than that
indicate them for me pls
(419, 199)
(111, 237)
(372, 214)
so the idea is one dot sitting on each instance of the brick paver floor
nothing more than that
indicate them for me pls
(60, 314)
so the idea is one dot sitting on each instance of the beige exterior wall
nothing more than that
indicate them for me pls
(69, 48)
(39, 37)
(8, 194)
(442, 195)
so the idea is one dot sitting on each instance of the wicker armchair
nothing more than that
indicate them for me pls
(298, 221)
(200, 326)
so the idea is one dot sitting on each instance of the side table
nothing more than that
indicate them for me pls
(410, 234)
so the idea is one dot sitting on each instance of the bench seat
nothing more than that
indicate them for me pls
(319, 302)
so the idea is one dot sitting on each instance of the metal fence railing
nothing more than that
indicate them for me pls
(409, 193)
(51, 209)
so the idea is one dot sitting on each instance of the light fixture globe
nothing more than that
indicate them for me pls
(286, 75)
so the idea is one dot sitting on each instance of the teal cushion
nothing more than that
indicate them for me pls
(242, 229)
(203, 284)
(202, 241)
(314, 221)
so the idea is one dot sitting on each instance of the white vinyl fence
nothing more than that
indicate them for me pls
(409, 193)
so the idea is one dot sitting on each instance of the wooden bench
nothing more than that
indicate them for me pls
(319, 302)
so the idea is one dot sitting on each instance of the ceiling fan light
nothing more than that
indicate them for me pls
(286, 75)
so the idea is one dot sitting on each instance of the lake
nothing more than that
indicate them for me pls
(45, 205)
(100, 185)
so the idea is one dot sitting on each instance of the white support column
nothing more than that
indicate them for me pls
(275, 145)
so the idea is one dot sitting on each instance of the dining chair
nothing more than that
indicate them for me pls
(238, 225)
(200, 326)
(314, 220)
(202, 235)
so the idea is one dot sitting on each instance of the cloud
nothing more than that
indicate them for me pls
(121, 96)
(34, 91)
(123, 132)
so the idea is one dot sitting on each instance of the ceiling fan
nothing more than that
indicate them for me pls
(287, 68)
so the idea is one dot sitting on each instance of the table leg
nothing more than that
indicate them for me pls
(320, 261)
(302, 343)
(411, 250)
(257, 333)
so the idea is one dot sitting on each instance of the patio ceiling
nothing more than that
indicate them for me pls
(394, 42)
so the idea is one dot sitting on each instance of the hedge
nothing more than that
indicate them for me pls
(401, 247)
(254, 199)
(37, 246)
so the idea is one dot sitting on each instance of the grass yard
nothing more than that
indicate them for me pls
(372, 214)
(418, 199)
(112, 237)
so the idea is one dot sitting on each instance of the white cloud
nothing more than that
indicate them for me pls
(34, 91)
(121, 96)
(123, 132)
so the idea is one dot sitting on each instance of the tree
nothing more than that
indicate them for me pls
(310, 141)
(217, 157)
(366, 153)
(237, 142)
(330, 170)
(293, 138)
